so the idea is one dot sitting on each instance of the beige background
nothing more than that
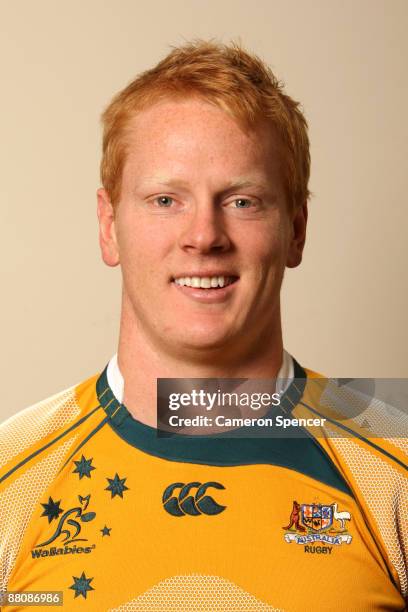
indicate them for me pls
(61, 61)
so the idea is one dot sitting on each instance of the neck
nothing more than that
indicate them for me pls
(141, 361)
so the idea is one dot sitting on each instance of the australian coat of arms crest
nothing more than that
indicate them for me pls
(318, 523)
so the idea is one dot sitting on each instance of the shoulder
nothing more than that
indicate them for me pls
(30, 429)
(312, 374)
(34, 444)
(366, 437)
(359, 411)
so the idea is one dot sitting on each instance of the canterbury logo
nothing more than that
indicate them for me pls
(194, 505)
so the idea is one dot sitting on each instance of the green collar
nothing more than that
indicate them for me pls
(303, 455)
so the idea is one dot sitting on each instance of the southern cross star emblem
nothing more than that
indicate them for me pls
(84, 467)
(106, 531)
(81, 585)
(116, 486)
(52, 509)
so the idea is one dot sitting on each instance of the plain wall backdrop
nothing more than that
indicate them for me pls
(344, 309)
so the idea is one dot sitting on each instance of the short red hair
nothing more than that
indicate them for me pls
(225, 75)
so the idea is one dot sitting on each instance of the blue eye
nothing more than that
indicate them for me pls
(243, 203)
(164, 201)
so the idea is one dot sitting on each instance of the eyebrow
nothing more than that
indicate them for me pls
(244, 183)
(168, 182)
(233, 185)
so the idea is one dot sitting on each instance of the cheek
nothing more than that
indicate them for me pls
(142, 249)
(269, 248)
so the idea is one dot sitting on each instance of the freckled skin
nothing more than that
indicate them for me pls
(204, 161)
(206, 149)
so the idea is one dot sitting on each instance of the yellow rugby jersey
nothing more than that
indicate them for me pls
(95, 505)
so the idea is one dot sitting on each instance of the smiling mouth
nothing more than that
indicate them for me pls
(205, 282)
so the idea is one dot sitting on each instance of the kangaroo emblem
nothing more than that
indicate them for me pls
(295, 518)
(74, 526)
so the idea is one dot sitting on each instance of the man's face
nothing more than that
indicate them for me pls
(202, 204)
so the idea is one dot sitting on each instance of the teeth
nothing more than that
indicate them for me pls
(204, 282)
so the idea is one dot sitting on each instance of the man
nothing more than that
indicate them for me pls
(204, 203)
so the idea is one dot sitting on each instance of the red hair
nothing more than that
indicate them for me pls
(227, 76)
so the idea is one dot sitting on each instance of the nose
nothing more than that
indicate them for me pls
(205, 231)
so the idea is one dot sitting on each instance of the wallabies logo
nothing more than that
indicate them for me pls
(68, 526)
(194, 505)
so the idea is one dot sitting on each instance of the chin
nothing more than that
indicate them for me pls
(202, 339)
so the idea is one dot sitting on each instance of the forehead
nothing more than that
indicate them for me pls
(191, 138)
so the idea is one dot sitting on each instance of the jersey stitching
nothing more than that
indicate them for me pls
(40, 450)
(85, 440)
(357, 435)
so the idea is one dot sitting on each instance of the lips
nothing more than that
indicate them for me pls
(202, 289)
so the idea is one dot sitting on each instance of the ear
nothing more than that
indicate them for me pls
(107, 231)
(298, 228)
